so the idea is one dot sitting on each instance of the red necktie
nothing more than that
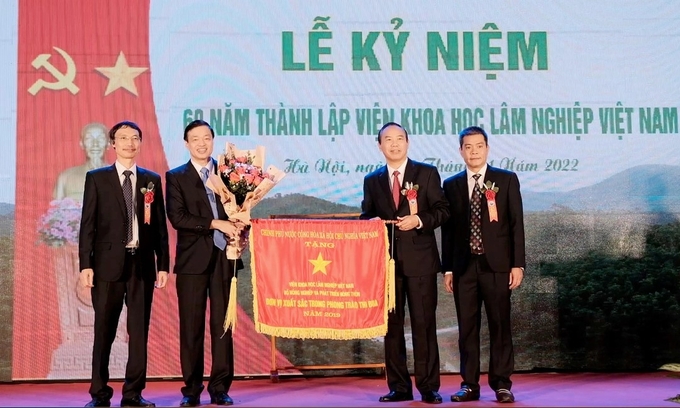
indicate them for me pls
(396, 188)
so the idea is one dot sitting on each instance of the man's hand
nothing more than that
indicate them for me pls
(408, 222)
(516, 276)
(162, 280)
(230, 229)
(240, 225)
(448, 282)
(86, 278)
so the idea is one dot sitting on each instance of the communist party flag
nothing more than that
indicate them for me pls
(79, 63)
(320, 279)
(82, 64)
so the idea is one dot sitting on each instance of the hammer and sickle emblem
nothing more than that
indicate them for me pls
(63, 80)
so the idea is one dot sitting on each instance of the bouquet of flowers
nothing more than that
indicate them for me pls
(241, 183)
(60, 225)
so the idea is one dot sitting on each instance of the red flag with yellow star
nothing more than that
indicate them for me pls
(320, 279)
(83, 66)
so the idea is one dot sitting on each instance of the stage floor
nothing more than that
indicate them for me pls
(531, 390)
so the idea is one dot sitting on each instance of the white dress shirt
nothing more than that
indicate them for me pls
(133, 178)
(198, 167)
(401, 169)
(471, 186)
(471, 181)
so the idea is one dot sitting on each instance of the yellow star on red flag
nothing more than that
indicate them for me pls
(320, 264)
(121, 75)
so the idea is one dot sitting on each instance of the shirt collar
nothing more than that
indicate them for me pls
(198, 167)
(401, 169)
(481, 172)
(120, 169)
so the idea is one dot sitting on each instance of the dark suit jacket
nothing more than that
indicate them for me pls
(415, 250)
(190, 214)
(503, 240)
(102, 237)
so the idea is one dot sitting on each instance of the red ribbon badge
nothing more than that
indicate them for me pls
(491, 203)
(489, 188)
(148, 199)
(411, 193)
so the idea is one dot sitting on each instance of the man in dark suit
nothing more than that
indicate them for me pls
(202, 268)
(118, 240)
(483, 256)
(416, 258)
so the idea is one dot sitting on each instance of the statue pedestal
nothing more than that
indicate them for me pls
(73, 358)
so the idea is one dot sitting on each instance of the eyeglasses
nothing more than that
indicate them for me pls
(135, 139)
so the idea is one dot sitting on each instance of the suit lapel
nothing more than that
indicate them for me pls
(489, 175)
(114, 180)
(141, 182)
(220, 208)
(464, 194)
(194, 179)
(384, 183)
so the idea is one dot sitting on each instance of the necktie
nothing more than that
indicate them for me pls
(476, 245)
(396, 187)
(218, 236)
(129, 204)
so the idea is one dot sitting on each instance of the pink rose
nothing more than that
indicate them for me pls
(235, 177)
(257, 180)
(248, 178)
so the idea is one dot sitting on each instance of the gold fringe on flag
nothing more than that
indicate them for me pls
(322, 333)
(390, 283)
(253, 280)
(675, 367)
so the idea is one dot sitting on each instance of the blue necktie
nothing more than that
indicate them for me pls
(218, 236)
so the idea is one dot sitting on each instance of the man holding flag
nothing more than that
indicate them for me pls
(409, 193)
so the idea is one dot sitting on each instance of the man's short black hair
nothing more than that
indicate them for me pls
(472, 130)
(197, 123)
(123, 124)
(388, 124)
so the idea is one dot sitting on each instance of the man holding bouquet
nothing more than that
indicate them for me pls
(202, 268)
